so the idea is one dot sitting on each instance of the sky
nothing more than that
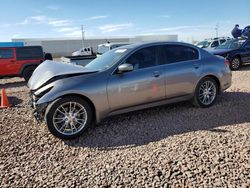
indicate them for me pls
(189, 19)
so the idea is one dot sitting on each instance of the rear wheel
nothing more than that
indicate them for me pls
(206, 93)
(27, 73)
(235, 63)
(68, 117)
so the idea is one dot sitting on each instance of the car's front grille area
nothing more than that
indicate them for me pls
(33, 99)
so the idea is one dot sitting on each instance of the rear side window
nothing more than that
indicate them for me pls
(222, 41)
(143, 58)
(215, 44)
(178, 53)
(27, 53)
(6, 54)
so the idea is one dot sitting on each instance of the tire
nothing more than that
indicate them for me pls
(205, 98)
(235, 63)
(27, 73)
(48, 56)
(65, 115)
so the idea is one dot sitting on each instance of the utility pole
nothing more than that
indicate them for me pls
(217, 30)
(82, 36)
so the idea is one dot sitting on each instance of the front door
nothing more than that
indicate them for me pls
(7, 62)
(145, 84)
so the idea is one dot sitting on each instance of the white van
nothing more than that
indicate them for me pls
(102, 48)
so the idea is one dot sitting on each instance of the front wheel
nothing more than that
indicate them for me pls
(27, 73)
(68, 117)
(206, 93)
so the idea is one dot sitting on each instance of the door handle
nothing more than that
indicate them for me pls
(156, 74)
(12, 61)
(196, 65)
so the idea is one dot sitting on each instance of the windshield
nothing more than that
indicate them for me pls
(231, 44)
(102, 49)
(204, 44)
(106, 60)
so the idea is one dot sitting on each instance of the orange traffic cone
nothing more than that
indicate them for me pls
(4, 100)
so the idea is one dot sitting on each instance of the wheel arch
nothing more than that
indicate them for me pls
(216, 79)
(86, 99)
(24, 67)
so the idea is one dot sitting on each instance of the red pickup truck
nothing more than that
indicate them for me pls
(21, 61)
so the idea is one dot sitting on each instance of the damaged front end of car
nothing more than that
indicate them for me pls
(49, 81)
(39, 109)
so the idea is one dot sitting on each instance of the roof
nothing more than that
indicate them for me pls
(114, 43)
(135, 45)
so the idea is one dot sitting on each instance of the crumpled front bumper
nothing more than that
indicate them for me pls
(39, 109)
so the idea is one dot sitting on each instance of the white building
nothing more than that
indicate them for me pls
(65, 46)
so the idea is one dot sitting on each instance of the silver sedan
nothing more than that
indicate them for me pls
(71, 98)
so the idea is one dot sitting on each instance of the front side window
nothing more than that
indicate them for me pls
(6, 54)
(143, 58)
(178, 53)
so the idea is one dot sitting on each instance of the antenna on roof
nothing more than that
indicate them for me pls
(217, 29)
(82, 36)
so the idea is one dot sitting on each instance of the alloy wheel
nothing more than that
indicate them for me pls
(235, 63)
(207, 92)
(70, 118)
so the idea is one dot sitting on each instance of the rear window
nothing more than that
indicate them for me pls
(27, 53)
(6, 54)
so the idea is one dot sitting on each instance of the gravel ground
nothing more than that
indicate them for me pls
(169, 146)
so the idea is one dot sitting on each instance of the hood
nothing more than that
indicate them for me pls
(219, 51)
(49, 70)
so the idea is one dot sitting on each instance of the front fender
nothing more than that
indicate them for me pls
(96, 93)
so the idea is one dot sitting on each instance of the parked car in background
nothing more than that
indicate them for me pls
(86, 51)
(237, 51)
(102, 48)
(125, 79)
(212, 43)
(21, 61)
(81, 57)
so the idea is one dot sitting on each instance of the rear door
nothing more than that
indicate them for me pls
(145, 84)
(28, 55)
(182, 69)
(7, 62)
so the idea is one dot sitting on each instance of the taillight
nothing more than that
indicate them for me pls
(226, 62)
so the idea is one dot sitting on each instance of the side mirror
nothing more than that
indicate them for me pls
(125, 68)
